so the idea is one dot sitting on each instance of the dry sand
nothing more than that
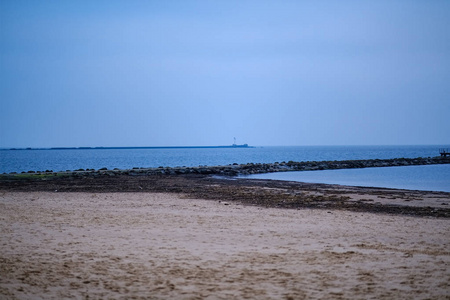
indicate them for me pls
(163, 246)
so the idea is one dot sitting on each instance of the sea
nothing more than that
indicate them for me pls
(416, 177)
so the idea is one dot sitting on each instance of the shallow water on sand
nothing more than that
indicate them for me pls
(427, 178)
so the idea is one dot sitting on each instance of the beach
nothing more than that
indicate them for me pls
(59, 242)
(224, 150)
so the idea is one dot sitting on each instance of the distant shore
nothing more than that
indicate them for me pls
(150, 147)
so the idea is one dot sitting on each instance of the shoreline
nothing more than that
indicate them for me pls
(198, 236)
(254, 192)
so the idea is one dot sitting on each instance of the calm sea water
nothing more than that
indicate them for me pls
(61, 160)
(427, 178)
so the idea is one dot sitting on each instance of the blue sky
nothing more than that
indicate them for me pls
(157, 73)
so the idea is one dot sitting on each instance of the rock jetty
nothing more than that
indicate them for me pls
(251, 168)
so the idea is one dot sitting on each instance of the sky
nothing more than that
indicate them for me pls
(171, 73)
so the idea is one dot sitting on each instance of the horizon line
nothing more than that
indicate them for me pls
(216, 146)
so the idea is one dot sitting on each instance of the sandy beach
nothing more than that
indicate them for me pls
(149, 245)
(190, 150)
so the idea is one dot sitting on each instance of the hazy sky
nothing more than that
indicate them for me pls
(148, 73)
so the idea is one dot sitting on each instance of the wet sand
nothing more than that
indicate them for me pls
(260, 192)
(148, 245)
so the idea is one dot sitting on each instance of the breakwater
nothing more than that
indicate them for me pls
(135, 148)
(252, 168)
